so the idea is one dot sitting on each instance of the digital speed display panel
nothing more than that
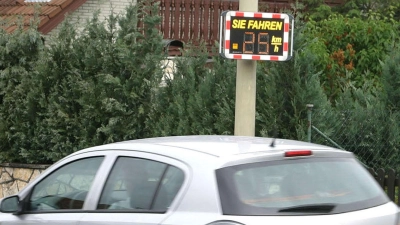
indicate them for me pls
(256, 36)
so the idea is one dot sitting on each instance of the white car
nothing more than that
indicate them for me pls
(203, 180)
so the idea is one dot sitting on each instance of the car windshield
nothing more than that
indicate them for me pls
(306, 186)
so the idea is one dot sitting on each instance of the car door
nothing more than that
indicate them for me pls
(58, 196)
(141, 188)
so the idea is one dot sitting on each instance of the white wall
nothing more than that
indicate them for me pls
(80, 15)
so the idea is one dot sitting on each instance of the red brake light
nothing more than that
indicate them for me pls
(295, 153)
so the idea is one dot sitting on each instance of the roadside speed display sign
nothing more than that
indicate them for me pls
(256, 36)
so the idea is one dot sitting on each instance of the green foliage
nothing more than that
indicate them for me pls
(365, 127)
(355, 47)
(364, 124)
(19, 52)
(84, 90)
(391, 80)
(387, 10)
(286, 88)
(321, 12)
(196, 99)
(313, 3)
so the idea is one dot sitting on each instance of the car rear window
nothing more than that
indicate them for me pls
(299, 186)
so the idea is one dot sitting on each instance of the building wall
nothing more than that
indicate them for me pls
(14, 177)
(105, 7)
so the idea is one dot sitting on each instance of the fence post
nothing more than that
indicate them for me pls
(309, 112)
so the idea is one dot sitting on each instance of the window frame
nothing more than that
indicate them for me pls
(150, 157)
(26, 194)
(111, 156)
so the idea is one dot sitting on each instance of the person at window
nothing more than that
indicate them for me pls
(126, 203)
(139, 190)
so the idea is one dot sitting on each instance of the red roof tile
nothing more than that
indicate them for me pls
(50, 13)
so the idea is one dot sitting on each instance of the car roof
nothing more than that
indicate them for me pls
(216, 145)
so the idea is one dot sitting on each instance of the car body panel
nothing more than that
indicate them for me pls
(65, 218)
(108, 218)
(382, 215)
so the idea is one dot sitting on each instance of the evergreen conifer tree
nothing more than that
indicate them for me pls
(19, 53)
(285, 88)
(88, 88)
(196, 99)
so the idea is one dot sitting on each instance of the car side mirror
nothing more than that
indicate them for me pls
(10, 205)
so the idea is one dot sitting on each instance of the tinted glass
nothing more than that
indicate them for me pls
(141, 185)
(65, 188)
(315, 185)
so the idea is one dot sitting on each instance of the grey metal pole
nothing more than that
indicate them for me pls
(309, 113)
(245, 105)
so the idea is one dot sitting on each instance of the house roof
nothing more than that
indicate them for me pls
(50, 13)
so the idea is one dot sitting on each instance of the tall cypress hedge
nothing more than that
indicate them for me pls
(81, 89)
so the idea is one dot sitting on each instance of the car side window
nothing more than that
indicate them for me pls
(141, 184)
(65, 188)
